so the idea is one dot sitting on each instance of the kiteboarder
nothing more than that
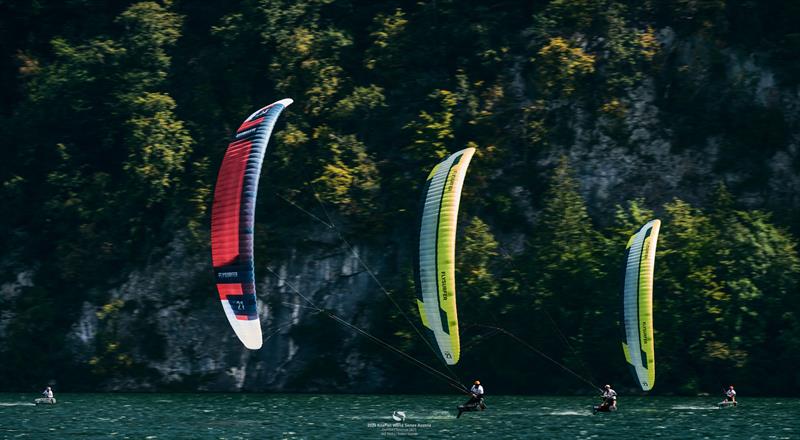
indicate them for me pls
(475, 401)
(609, 400)
(47, 399)
(730, 396)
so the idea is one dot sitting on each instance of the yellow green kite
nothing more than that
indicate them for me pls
(435, 265)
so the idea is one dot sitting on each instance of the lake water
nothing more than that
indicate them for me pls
(282, 416)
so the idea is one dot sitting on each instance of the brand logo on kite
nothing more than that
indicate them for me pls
(228, 274)
(399, 416)
(444, 285)
(644, 332)
(451, 179)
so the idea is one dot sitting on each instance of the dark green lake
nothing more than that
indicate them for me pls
(279, 416)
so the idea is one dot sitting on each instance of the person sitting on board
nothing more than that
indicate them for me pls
(48, 393)
(609, 399)
(730, 395)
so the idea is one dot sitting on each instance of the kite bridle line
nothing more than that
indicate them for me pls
(452, 378)
(537, 351)
(453, 382)
(331, 225)
(561, 335)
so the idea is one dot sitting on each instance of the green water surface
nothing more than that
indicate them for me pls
(282, 416)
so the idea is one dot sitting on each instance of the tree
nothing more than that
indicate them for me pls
(475, 261)
(566, 272)
(561, 68)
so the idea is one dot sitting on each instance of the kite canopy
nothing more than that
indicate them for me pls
(232, 219)
(435, 265)
(637, 298)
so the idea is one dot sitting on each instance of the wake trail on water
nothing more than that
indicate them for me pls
(17, 404)
(584, 413)
(438, 415)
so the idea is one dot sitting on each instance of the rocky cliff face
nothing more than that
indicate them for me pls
(646, 161)
(171, 304)
(10, 292)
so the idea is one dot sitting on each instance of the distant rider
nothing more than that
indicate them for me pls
(609, 398)
(730, 395)
(48, 393)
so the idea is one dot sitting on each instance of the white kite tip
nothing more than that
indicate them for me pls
(249, 332)
(284, 102)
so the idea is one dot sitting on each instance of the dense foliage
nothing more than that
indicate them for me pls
(115, 115)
